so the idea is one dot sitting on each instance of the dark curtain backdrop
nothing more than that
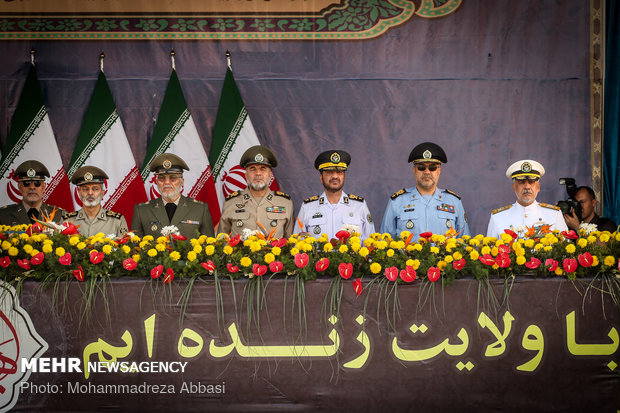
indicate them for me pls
(611, 145)
(494, 82)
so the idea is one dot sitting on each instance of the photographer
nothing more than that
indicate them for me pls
(587, 200)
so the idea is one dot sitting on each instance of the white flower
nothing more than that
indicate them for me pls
(587, 227)
(170, 229)
(247, 233)
(350, 228)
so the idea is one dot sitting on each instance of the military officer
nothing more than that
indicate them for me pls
(93, 218)
(188, 215)
(329, 212)
(257, 207)
(31, 184)
(526, 212)
(424, 207)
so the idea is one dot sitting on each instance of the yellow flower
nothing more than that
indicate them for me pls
(529, 243)
(191, 256)
(548, 248)
(28, 248)
(82, 245)
(13, 251)
(559, 271)
(415, 264)
(255, 246)
(160, 247)
(136, 257)
(521, 260)
(343, 248)
(135, 239)
(126, 249)
(363, 252)
(161, 240)
(107, 249)
(269, 258)
(276, 251)
(448, 259)
(520, 252)
(591, 239)
(441, 265)
(210, 240)
(390, 253)
(604, 237)
(245, 262)
(143, 244)
(434, 250)
(474, 255)
(538, 247)
(582, 242)
(417, 247)
(175, 255)
(381, 245)
(397, 245)
(570, 248)
(294, 251)
(307, 247)
(595, 261)
(152, 252)
(198, 248)
(485, 250)
(505, 238)
(23, 236)
(6, 245)
(405, 234)
(617, 236)
(210, 249)
(47, 248)
(355, 247)
(474, 242)
(328, 247)
(73, 241)
(227, 250)
(457, 255)
(494, 251)
(60, 251)
(368, 242)
(609, 261)
(34, 252)
(375, 268)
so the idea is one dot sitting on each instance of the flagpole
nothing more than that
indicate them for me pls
(101, 57)
(32, 56)
(172, 59)
(228, 60)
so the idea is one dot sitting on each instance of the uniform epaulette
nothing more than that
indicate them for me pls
(196, 201)
(69, 215)
(452, 193)
(542, 204)
(495, 211)
(3, 207)
(356, 198)
(312, 198)
(112, 214)
(283, 195)
(233, 195)
(398, 193)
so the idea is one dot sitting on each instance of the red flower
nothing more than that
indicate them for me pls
(232, 268)
(5, 261)
(34, 229)
(342, 235)
(279, 242)
(123, 240)
(130, 264)
(585, 259)
(169, 276)
(156, 271)
(70, 228)
(570, 234)
(301, 259)
(503, 260)
(569, 264)
(458, 264)
(504, 249)
(179, 237)
(433, 274)
(79, 273)
(234, 240)
(37, 258)
(408, 274)
(25, 264)
(209, 266)
(533, 263)
(96, 257)
(322, 264)
(357, 286)
(426, 235)
(487, 259)
(551, 263)
(259, 270)
(276, 266)
(511, 233)
(65, 259)
(345, 269)
(391, 273)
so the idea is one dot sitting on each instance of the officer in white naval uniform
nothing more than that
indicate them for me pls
(526, 212)
(329, 212)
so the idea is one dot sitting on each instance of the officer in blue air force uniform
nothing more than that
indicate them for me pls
(526, 212)
(332, 210)
(424, 207)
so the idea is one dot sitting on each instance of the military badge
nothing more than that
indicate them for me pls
(88, 177)
(335, 158)
(317, 215)
(239, 223)
(448, 223)
(167, 164)
(31, 172)
(274, 223)
(317, 230)
(369, 218)
(409, 224)
(427, 154)
(526, 167)
(259, 157)
(446, 208)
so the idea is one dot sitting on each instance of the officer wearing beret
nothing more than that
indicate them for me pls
(526, 212)
(31, 184)
(172, 208)
(329, 212)
(424, 207)
(93, 218)
(257, 207)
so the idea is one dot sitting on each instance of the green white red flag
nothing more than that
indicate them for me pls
(232, 135)
(102, 143)
(175, 132)
(31, 138)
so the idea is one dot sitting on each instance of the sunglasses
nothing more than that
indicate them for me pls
(422, 167)
(36, 183)
(172, 178)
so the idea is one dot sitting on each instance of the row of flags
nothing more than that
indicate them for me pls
(102, 142)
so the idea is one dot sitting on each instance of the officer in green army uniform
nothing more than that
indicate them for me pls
(31, 183)
(93, 218)
(257, 204)
(190, 216)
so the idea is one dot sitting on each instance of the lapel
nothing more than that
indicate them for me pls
(181, 211)
(160, 212)
(20, 214)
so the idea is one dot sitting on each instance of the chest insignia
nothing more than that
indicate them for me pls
(317, 215)
(446, 208)
(276, 209)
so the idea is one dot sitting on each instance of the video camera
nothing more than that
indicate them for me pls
(571, 203)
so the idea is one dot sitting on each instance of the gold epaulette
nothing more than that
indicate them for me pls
(398, 193)
(542, 204)
(114, 214)
(69, 215)
(495, 211)
(452, 193)
(311, 199)
(233, 195)
(283, 195)
(356, 198)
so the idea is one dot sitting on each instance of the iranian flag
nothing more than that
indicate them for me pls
(102, 143)
(31, 138)
(232, 135)
(175, 132)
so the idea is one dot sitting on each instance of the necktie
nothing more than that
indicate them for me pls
(33, 213)
(170, 208)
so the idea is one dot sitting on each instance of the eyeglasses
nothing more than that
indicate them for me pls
(422, 167)
(171, 178)
(36, 183)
